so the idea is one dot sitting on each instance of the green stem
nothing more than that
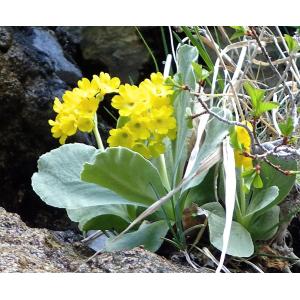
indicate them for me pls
(163, 172)
(97, 134)
(242, 198)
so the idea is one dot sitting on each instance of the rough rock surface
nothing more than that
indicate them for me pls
(118, 48)
(25, 249)
(33, 70)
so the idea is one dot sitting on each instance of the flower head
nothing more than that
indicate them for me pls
(149, 116)
(78, 107)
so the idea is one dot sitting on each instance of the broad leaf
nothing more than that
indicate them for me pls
(265, 226)
(127, 173)
(214, 208)
(58, 181)
(262, 201)
(149, 235)
(203, 192)
(103, 217)
(271, 176)
(240, 243)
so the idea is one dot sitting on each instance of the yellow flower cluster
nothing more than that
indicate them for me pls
(147, 112)
(245, 141)
(78, 108)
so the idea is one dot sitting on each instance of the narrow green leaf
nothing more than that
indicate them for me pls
(202, 51)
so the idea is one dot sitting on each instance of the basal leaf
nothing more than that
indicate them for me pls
(264, 226)
(127, 173)
(149, 235)
(58, 181)
(263, 200)
(103, 217)
(240, 242)
(216, 131)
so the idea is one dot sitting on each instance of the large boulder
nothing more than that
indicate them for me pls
(34, 69)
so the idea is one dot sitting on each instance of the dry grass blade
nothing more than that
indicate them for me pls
(230, 188)
(200, 130)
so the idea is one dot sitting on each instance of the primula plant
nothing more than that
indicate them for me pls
(210, 148)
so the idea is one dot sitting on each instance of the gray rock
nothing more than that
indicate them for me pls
(33, 71)
(47, 44)
(25, 249)
(118, 48)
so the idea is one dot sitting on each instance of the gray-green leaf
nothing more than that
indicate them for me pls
(58, 181)
(149, 235)
(127, 173)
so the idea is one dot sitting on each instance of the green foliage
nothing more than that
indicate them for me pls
(200, 73)
(150, 235)
(287, 127)
(261, 213)
(186, 55)
(240, 242)
(258, 106)
(265, 226)
(127, 173)
(240, 31)
(292, 44)
(58, 181)
(216, 131)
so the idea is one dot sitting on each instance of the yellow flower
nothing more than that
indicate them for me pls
(138, 127)
(78, 107)
(244, 140)
(162, 121)
(85, 123)
(149, 116)
(121, 137)
(157, 86)
(88, 106)
(131, 99)
(106, 84)
(87, 89)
